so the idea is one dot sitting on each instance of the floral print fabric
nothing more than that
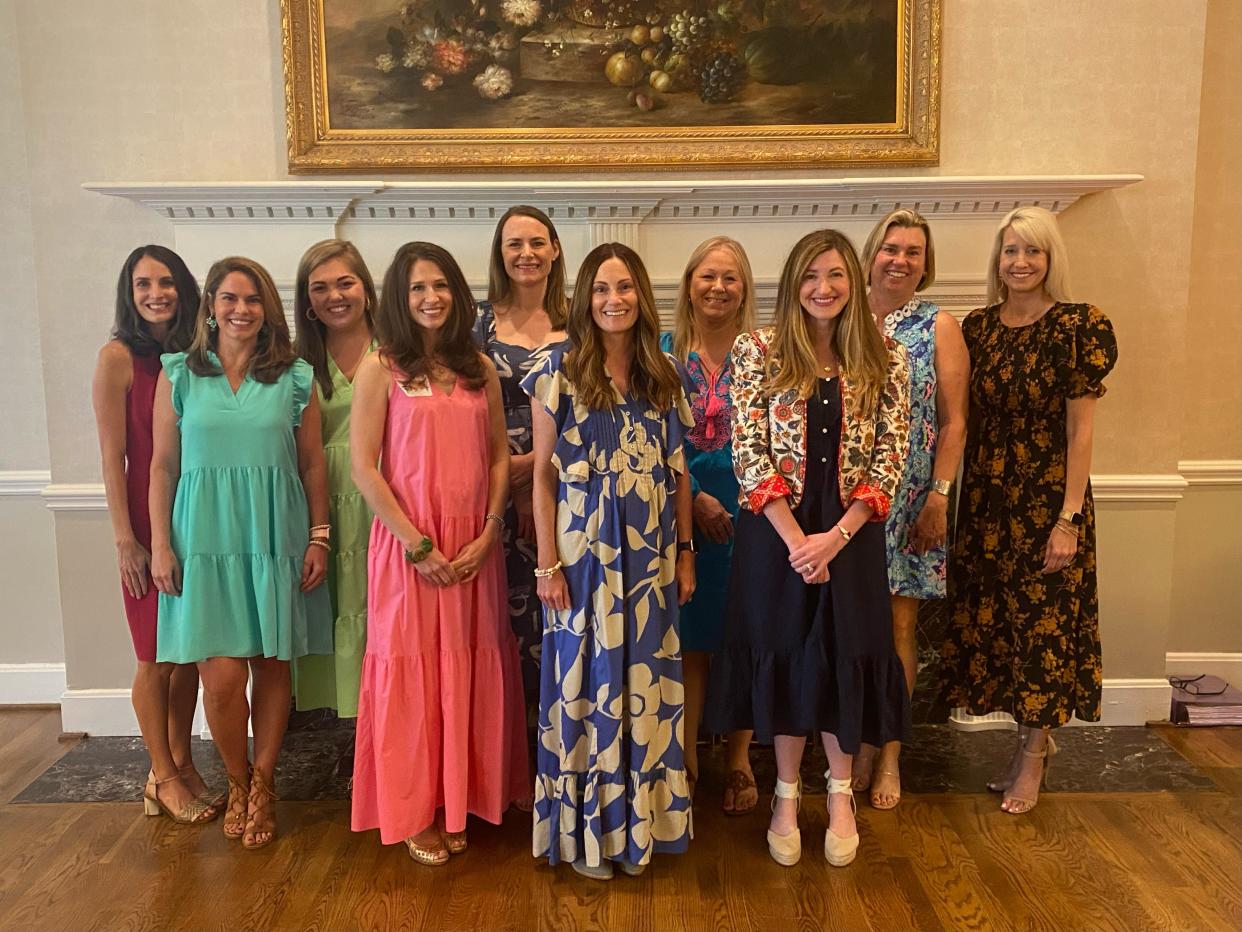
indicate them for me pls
(1019, 641)
(917, 575)
(769, 433)
(611, 779)
(513, 363)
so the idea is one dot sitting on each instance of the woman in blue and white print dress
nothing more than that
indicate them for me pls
(613, 524)
(900, 260)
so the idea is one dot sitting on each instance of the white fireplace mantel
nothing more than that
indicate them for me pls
(653, 201)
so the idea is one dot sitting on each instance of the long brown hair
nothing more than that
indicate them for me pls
(498, 284)
(401, 339)
(311, 335)
(652, 376)
(683, 317)
(856, 341)
(273, 353)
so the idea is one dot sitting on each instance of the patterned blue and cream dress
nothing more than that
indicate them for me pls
(611, 779)
(917, 575)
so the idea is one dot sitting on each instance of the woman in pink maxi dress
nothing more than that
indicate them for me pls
(441, 726)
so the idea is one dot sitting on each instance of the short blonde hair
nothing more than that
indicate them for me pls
(1039, 228)
(910, 219)
(683, 315)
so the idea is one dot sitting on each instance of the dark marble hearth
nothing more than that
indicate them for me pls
(315, 764)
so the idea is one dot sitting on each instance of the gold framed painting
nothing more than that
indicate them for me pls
(509, 85)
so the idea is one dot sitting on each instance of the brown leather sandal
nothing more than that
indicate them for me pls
(235, 814)
(261, 812)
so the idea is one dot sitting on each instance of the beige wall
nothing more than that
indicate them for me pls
(141, 90)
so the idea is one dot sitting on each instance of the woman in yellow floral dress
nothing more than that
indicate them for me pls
(1024, 633)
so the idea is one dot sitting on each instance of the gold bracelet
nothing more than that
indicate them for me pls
(942, 487)
(492, 516)
(326, 528)
(1067, 528)
(320, 542)
(550, 571)
(844, 533)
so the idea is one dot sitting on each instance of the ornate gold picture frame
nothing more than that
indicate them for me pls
(505, 85)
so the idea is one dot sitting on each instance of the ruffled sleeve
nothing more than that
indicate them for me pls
(680, 420)
(178, 377)
(548, 385)
(1094, 353)
(303, 378)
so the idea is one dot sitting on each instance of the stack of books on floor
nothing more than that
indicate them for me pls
(1204, 700)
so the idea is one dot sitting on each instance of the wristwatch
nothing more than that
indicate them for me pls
(686, 546)
(1071, 517)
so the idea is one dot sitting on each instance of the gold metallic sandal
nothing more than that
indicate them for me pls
(195, 812)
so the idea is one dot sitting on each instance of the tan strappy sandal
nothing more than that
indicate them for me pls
(209, 796)
(195, 812)
(1018, 805)
(261, 812)
(432, 857)
(235, 814)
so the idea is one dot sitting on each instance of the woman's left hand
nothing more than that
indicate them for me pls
(685, 576)
(470, 558)
(1062, 546)
(810, 559)
(931, 526)
(314, 566)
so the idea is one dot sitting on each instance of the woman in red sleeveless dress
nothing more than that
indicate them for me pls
(156, 301)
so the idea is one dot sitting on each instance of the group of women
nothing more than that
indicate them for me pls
(538, 524)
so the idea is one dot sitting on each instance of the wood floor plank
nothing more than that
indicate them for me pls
(1079, 861)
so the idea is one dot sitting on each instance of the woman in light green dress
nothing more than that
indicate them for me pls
(333, 308)
(238, 505)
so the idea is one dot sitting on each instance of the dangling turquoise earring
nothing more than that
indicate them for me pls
(211, 322)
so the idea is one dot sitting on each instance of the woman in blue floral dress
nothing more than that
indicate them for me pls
(520, 323)
(900, 259)
(613, 518)
(714, 304)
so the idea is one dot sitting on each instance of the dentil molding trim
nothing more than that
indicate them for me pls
(609, 203)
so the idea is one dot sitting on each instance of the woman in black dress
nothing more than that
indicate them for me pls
(821, 419)
(1024, 634)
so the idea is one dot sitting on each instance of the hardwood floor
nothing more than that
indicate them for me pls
(1124, 861)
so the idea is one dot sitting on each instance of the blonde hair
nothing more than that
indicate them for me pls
(683, 324)
(856, 341)
(911, 220)
(310, 338)
(652, 376)
(1039, 228)
(273, 353)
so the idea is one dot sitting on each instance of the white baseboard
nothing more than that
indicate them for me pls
(1125, 702)
(1225, 664)
(109, 713)
(31, 683)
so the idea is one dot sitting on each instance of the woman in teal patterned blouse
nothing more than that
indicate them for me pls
(900, 259)
(714, 304)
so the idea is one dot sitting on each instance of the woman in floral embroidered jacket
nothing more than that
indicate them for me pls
(820, 428)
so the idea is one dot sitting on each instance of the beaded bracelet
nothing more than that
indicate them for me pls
(320, 542)
(492, 516)
(550, 571)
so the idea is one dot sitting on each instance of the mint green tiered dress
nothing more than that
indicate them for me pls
(332, 682)
(240, 524)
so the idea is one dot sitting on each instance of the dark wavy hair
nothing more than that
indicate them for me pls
(498, 284)
(274, 352)
(652, 376)
(310, 338)
(401, 339)
(128, 325)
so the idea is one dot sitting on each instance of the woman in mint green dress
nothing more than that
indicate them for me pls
(333, 311)
(239, 508)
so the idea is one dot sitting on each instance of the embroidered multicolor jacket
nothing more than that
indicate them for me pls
(769, 433)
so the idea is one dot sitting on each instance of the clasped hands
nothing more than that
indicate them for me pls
(438, 569)
(811, 555)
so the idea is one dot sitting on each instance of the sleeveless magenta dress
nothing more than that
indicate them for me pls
(441, 717)
(139, 405)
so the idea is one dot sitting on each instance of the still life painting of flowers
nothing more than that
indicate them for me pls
(507, 63)
(578, 71)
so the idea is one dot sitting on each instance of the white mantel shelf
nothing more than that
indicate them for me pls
(631, 202)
